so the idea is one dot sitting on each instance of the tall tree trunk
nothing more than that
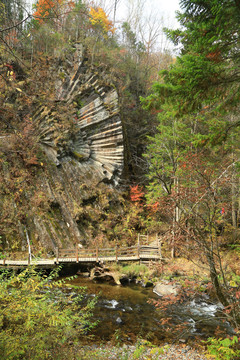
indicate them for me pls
(234, 204)
(176, 218)
(214, 277)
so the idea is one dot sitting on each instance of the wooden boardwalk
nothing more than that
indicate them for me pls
(80, 255)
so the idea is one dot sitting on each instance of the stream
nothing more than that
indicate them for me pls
(125, 312)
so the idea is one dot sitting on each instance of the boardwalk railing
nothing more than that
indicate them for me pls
(78, 254)
(109, 254)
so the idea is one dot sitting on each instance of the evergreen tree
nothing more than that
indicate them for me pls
(194, 156)
(207, 71)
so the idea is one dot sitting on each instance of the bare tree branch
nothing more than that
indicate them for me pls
(15, 25)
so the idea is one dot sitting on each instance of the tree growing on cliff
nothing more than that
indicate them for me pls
(98, 19)
(54, 10)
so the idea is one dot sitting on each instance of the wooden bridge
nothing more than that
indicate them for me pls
(81, 255)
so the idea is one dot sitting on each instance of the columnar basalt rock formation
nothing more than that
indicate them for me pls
(80, 133)
(93, 138)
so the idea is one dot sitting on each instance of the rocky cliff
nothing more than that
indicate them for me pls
(80, 138)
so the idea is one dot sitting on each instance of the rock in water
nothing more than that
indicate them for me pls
(162, 289)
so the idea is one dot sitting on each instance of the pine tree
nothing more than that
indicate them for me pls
(194, 156)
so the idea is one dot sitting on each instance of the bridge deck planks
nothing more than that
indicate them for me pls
(89, 255)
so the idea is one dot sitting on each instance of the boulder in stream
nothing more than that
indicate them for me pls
(103, 274)
(165, 289)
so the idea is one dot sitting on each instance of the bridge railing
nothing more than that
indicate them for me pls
(111, 253)
(100, 252)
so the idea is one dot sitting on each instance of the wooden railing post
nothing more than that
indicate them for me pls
(138, 247)
(57, 255)
(159, 246)
(4, 261)
(116, 255)
(29, 259)
(77, 253)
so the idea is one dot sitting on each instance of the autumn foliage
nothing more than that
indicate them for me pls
(136, 194)
(49, 8)
(98, 18)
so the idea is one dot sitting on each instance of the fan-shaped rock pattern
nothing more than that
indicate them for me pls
(80, 131)
(92, 136)
(81, 134)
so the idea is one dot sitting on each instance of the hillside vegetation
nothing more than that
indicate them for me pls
(171, 165)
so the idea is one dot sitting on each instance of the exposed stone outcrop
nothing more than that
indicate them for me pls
(103, 274)
(93, 137)
(80, 133)
(165, 289)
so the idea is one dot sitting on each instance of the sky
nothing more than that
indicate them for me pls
(159, 11)
(166, 7)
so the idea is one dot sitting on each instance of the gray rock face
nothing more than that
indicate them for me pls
(163, 289)
(94, 141)
(80, 133)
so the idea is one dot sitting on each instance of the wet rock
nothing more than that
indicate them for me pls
(104, 278)
(124, 280)
(85, 274)
(147, 284)
(119, 320)
(102, 274)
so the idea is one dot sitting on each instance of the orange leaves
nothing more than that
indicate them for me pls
(137, 196)
(51, 8)
(42, 9)
(154, 207)
(136, 193)
(99, 18)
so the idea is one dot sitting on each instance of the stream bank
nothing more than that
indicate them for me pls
(142, 351)
(127, 313)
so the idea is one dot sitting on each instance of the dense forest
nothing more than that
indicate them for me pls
(105, 134)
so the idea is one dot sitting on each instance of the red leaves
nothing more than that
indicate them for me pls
(156, 111)
(214, 56)
(136, 193)
(153, 207)
(237, 295)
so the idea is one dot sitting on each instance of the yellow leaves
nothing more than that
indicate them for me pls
(99, 18)
(10, 75)
(233, 283)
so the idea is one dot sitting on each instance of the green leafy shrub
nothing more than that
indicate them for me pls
(135, 270)
(223, 349)
(40, 318)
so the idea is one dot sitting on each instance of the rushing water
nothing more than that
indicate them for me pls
(125, 311)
